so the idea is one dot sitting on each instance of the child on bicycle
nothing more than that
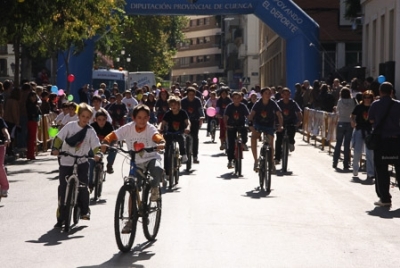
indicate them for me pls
(222, 102)
(141, 134)
(263, 114)
(235, 119)
(76, 138)
(103, 127)
(292, 118)
(175, 120)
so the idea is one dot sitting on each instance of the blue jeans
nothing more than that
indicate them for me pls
(359, 148)
(344, 132)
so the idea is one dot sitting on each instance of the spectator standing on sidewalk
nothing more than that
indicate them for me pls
(388, 148)
(344, 130)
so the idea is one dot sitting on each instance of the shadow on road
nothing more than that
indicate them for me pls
(230, 176)
(363, 182)
(55, 237)
(384, 212)
(20, 171)
(128, 259)
(218, 155)
(257, 194)
(97, 202)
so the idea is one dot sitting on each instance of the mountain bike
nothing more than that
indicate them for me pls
(213, 127)
(173, 159)
(99, 176)
(133, 203)
(238, 153)
(265, 164)
(72, 206)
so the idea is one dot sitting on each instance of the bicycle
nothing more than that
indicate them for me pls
(130, 206)
(213, 128)
(265, 164)
(174, 161)
(285, 148)
(238, 153)
(71, 201)
(99, 176)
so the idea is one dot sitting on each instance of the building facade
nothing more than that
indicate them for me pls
(199, 57)
(381, 38)
(340, 45)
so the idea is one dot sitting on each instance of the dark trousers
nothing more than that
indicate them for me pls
(291, 131)
(231, 133)
(83, 197)
(344, 131)
(168, 140)
(382, 159)
(194, 133)
(32, 136)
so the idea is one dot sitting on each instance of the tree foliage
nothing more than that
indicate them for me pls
(150, 42)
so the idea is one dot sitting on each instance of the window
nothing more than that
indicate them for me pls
(3, 67)
(184, 62)
(207, 39)
(200, 40)
(199, 22)
(3, 50)
(200, 58)
(206, 21)
(192, 23)
(207, 58)
(193, 41)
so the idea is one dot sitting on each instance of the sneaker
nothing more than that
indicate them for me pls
(277, 162)
(370, 177)
(380, 203)
(222, 147)
(196, 160)
(230, 164)
(86, 216)
(256, 167)
(127, 228)
(184, 159)
(110, 169)
(155, 194)
(4, 193)
(59, 225)
(355, 173)
(291, 147)
(245, 148)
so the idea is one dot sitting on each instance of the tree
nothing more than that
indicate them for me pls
(150, 41)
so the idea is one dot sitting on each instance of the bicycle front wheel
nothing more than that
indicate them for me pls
(176, 167)
(69, 206)
(125, 219)
(98, 181)
(285, 154)
(171, 159)
(213, 128)
(151, 214)
(268, 169)
(238, 159)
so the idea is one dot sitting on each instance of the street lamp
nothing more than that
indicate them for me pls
(118, 59)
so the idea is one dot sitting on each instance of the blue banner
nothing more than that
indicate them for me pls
(287, 19)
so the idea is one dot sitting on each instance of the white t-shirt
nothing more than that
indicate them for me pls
(136, 140)
(67, 118)
(109, 119)
(91, 141)
(130, 103)
(59, 118)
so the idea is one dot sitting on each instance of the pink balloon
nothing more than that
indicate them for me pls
(205, 93)
(211, 112)
(215, 80)
(60, 92)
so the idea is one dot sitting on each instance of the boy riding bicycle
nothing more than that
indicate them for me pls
(141, 134)
(235, 120)
(263, 114)
(175, 120)
(76, 138)
(292, 118)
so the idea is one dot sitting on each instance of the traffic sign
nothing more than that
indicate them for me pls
(246, 80)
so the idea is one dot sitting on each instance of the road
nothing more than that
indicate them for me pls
(315, 217)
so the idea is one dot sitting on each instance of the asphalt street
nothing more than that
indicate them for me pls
(315, 216)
